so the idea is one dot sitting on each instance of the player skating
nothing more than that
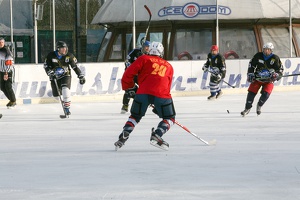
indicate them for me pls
(264, 68)
(215, 64)
(155, 79)
(131, 57)
(58, 66)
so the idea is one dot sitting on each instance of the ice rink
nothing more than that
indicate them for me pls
(43, 157)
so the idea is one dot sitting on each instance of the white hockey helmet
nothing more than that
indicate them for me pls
(268, 45)
(156, 48)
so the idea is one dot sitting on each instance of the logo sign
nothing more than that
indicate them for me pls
(191, 10)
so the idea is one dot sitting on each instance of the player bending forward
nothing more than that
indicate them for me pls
(155, 79)
(264, 69)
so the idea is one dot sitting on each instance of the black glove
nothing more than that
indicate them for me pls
(250, 77)
(205, 68)
(51, 73)
(131, 91)
(218, 77)
(81, 79)
(275, 76)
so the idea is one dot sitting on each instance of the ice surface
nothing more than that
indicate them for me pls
(43, 157)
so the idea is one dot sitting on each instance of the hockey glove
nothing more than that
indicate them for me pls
(205, 68)
(250, 77)
(81, 79)
(217, 77)
(127, 64)
(131, 91)
(51, 73)
(275, 76)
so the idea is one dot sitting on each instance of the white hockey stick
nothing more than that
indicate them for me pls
(213, 142)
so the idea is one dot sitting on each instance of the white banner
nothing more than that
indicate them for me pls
(104, 79)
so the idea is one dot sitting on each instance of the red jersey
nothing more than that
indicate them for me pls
(155, 76)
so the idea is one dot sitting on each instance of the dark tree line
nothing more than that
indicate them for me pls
(65, 14)
(70, 16)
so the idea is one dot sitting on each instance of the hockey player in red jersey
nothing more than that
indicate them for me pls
(155, 79)
(264, 69)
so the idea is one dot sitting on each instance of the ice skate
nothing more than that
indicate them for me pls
(124, 109)
(210, 98)
(245, 112)
(158, 142)
(11, 104)
(219, 95)
(258, 109)
(123, 137)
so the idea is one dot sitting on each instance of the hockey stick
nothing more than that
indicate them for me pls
(290, 75)
(222, 79)
(61, 101)
(213, 142)
(150, 16)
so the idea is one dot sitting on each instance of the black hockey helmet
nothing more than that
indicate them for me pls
(61, 44)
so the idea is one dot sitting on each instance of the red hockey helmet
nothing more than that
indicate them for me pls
(214, 48)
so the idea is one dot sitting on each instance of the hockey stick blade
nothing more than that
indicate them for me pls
(228, 84)
(0, 116)
(64, 116)
(150, 14)
(210, 143)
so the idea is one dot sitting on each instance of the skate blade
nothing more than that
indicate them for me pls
(163, 147)
(123, 112)
(9, 107)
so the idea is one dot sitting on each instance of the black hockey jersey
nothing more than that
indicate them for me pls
(132, 56)
(262, 65)
(61, 65)
(217, 64)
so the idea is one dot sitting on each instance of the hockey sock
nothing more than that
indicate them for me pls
(164, 126)
(66, 94)
(249, 101)
(263, 98)
(214, 88)
(130, 124)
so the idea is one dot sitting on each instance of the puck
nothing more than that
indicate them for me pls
(228, 111)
